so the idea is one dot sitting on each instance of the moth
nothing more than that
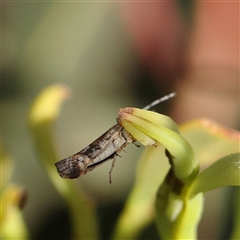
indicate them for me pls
(106, 147)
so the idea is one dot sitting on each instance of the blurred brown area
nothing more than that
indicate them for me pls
(200, 58)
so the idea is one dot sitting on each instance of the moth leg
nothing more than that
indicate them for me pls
(137, 145)
(111, 169)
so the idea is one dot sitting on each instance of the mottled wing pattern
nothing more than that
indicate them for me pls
(106, 147)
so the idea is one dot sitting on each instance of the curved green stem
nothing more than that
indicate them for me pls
(42, 115)
(158, 127)
(228, 174)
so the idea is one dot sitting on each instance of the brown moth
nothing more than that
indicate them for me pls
(106, 147)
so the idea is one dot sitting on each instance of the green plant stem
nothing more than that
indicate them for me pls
(40, 122)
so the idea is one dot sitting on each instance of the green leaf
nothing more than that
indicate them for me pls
(222, 173)
(210, 140)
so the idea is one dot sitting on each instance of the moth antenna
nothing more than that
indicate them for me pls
(162, 99)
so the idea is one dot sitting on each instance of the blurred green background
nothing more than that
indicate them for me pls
(86, 46)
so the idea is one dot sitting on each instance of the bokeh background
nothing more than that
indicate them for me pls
(112, 55)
